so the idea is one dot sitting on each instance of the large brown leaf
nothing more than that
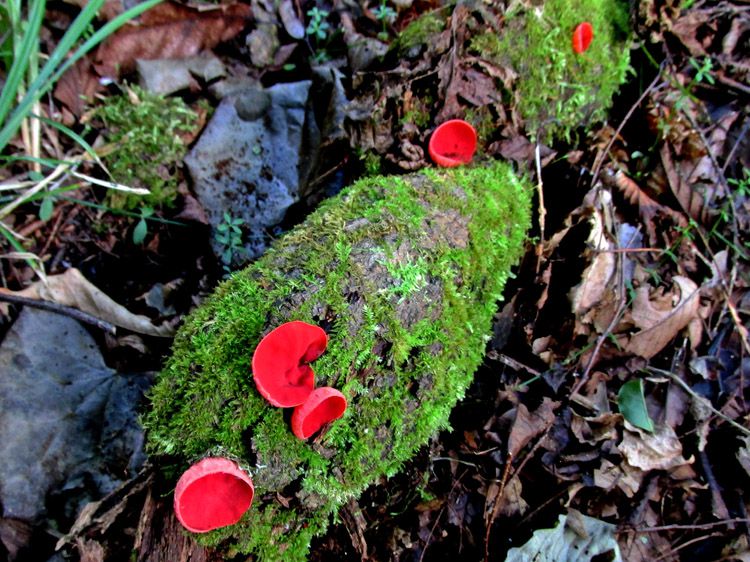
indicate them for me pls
(169, 31)
(528, 425)
(661, 316)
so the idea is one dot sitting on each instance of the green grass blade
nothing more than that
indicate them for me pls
(73, 135)
(29, 43)
(106, 30)
(57, 64)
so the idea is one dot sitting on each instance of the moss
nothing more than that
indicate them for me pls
(559, 90)
(405, 274)
(144, 131)
(419, 31)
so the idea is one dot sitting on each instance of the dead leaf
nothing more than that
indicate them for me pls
(169, 30)
(686, 30)
(292, 24)
(77, 87)
(595, 430)
(661, 316)
(529, 425)
(73, 289)
(511, 502)
(623, 476)
(575, 538)
(166, 76)
(743, 455)
(659, 450)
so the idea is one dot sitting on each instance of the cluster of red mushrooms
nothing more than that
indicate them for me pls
(216, 492)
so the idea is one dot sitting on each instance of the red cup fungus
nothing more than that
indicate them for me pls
(212, 493)
(280, 363)
(453, 143)
(583, 34)
(324, 405)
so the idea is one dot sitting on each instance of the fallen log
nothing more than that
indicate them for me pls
(404, 274)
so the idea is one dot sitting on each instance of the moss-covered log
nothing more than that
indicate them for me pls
(404, 273)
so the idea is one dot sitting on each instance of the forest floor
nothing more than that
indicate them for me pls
(614, 392)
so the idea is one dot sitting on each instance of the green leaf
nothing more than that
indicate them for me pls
(632, 404)
(140, 231)
(35, 176)
(45, 211)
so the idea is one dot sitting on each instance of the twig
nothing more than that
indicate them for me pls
(496, 507)
(685, 544)
(432, 531)
(60, 309)
(600, 160)
(512, 363)
(704, 401)
(542, 209)
(696, 527)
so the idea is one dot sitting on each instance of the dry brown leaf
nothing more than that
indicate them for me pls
(660, 317)
(528, 425)
(659, 450)
(512, 503)
(623, 476)
(596, 291)
(166, 31)
(77, 87)
(169, 30)
(73, 289)
(594, 430)
(686, 30)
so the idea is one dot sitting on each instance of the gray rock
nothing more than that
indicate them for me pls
(166, 76)
(253, 157)
(68, 427)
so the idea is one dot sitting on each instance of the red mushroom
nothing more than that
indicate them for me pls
(453, 143)
(324, 405)
(212, 493)
(583, 34)
(280, 363)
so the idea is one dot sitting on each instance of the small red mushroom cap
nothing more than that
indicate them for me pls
(212, 493)
(280, 363)
(583, 34)
(453, 143)
(324, 405)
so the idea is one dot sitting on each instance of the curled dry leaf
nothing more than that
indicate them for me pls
(73, 289)
(623, 476)
(529, 425)
(660, 316)
(658, 450)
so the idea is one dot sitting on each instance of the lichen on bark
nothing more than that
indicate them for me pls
(404, 273)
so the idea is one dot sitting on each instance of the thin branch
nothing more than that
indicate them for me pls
(60, 309)
(696, 527)
(700, 398)
(600, 161)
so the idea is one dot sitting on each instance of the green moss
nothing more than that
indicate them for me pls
(144, 130)
(405, 274)
(419, 32)
(559, 90)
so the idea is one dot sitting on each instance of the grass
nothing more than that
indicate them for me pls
(27, 81)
